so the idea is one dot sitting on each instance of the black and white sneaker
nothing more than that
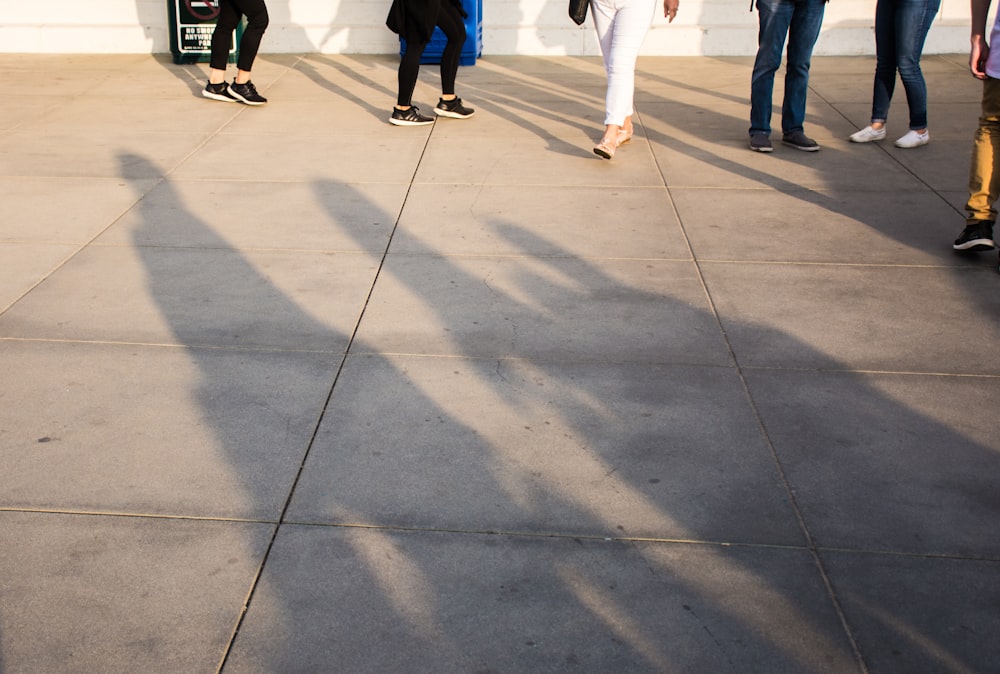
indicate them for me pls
(453, 108)
(409, 117)
(976, 236)
(218, 92)
(246, 93)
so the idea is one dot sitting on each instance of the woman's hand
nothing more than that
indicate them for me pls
(670, 9)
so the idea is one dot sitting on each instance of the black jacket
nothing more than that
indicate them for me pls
(414, 20)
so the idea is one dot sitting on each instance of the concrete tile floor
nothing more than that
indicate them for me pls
(290, 389)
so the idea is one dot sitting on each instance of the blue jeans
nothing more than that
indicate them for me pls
(900, 30)
(800, 20)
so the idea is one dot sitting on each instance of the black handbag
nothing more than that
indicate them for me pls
(578, 10)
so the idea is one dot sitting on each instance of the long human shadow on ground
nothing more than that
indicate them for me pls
(429, 475)
(198, 290)
(632, 474)
(526, 485)
(176, 289)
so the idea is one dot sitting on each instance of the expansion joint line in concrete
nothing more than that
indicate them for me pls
(319, 418)
(762, 429)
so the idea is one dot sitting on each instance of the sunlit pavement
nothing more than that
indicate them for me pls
(291, 389)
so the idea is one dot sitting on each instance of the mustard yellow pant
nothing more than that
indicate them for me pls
(984, 174)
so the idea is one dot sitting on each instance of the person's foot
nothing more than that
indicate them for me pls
(976, 236)
(760, 142)
(624, 136)
(409, 117)
(246, 93)
(453, 109)
(606, 148)
(800, 141)
(868, 134)
(218, 92)
(914, 139)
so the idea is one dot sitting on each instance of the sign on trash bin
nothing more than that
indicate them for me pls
(192, 23)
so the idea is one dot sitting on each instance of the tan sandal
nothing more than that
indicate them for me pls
(606, 148)
(623, 137)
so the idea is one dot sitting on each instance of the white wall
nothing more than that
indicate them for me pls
(536, 27)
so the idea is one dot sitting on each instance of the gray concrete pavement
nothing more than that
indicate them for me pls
(288, 389)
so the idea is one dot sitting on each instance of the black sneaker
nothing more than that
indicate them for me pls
(218, 92)
(247, 93)
(409, 117)
(453, 108)
(759, 142)
(976, 236)
(800, 141)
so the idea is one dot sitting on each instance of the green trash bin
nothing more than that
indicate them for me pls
(192, 23)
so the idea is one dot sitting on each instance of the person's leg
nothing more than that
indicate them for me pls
(405, 113)
(803, 30)
(409, 69)
(621, 29)
(984, 172)
(774, 17)
(604, 13)
(913, 21)
(628, 30)
(452, 24)
(222, 39)
(257, 21)
(242, 89)
(885, 61)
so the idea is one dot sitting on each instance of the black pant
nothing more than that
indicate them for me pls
(452, 24)
(230, 12)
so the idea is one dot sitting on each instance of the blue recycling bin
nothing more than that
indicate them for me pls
(473, 47)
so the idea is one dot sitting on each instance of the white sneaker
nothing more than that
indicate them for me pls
(914, 139)
(868, 134)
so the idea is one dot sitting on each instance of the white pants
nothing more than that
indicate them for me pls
(621, 27)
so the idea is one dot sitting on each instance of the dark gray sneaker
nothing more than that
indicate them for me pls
(800, 141)
(759, 142)
(409, 117)
(218, 92)
(976, 236)
(246, 93)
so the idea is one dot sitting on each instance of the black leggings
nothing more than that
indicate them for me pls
(230, 12)
(453, 26)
